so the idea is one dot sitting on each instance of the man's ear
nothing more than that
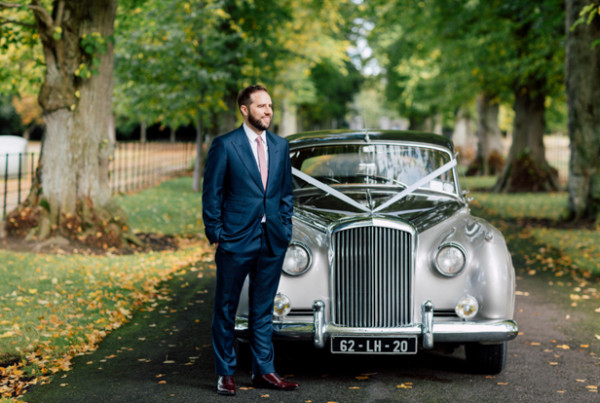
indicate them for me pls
(244, 110)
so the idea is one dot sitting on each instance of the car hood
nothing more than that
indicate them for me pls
(421, 210)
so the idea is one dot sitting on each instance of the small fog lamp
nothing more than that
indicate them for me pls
(281, 305)
(467, 307)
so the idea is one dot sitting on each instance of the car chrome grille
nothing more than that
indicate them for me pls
(372, 269)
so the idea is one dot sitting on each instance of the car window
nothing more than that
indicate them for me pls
(374, 164)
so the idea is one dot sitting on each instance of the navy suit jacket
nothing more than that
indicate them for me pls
(234, 200)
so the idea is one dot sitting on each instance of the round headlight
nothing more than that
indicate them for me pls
(297, 260)
(450, 259)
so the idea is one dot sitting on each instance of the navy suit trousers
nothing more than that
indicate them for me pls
(264, 271)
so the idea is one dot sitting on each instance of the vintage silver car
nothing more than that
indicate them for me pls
(385, 256)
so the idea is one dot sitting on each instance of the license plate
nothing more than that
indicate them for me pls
(373, 345)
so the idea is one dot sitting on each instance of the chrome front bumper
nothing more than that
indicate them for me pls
(488, 331)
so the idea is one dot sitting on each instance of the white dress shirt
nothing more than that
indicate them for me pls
(252, 138)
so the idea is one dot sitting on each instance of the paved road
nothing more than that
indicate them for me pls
(165, 355)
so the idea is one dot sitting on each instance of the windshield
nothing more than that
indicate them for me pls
(374, 164)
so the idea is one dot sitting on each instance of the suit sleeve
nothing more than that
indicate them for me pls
(212, 190)
(286, 207)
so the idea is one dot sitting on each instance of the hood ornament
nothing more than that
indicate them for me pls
(367, 138)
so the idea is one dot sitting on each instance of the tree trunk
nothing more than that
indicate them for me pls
(198, 165)
(583, 101)
(289, 119)
(463, 137)
(72, 197)
(143, 133)
(228, 120)
(526, 168)
(489, 159)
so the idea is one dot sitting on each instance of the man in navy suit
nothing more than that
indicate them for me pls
(247, 204)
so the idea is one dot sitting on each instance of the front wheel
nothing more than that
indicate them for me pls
(486, 358)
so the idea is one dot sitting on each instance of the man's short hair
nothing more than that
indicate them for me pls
(246, 93)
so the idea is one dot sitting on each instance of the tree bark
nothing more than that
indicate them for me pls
(583, 102)
(72, 195)
(143, 133)
(489, 160)
(198, 165)
(463, 137)
(526, 167)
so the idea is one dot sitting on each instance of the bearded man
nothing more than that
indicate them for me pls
(247, 204)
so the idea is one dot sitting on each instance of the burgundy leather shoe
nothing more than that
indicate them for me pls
(272, 381)
(226, 386)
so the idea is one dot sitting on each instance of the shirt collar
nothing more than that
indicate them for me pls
(252, 135)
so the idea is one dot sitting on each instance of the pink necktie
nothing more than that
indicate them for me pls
(262, 162)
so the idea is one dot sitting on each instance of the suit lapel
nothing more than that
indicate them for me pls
(274, 163)
(242, 147)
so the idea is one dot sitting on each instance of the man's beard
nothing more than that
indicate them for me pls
(257, 123)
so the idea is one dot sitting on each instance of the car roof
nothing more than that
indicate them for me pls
(366, 135)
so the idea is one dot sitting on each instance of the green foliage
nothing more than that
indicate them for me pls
(175, 59)
(438, 55)
(335, 89)
(94, 45)
(587, 15)
(21, 59)
(183, 60)
(10, 122)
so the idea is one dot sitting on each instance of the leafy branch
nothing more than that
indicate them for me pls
(587, 15)
(93, 45)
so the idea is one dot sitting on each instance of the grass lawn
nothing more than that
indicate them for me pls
(54, 306)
